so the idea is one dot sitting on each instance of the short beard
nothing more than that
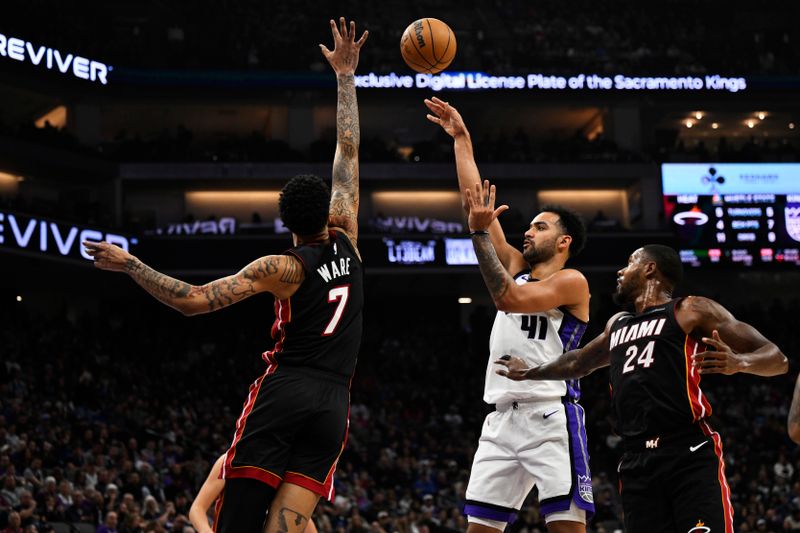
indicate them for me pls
(534, 255)
(623, 300)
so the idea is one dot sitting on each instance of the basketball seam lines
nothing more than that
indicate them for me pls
(427, 69)
(419, 52)
(433, 41)
(444, 54)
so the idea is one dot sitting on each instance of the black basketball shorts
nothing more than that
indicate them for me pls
(676, 485)
(292, 429)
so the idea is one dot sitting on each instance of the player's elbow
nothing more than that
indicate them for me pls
(794, 432)
(190, 307)
(784, 365)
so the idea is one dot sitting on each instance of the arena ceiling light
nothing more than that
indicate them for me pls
(465, 300)
(698, 115)
(714, 126)
(689, 124)
(761, 115)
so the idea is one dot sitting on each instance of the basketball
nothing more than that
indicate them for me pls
(428, 45)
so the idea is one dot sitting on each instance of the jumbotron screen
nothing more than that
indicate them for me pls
(734, 214)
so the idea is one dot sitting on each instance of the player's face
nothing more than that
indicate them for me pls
(628, 279)
(540, 239)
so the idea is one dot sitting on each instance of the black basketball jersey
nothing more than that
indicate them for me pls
(319, 326)
(654, 389)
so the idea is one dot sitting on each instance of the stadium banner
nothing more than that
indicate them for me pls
(479, 81)
(43, 236)
(44, 57)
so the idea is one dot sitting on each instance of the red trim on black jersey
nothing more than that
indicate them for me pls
(324, 488)
(725, 490)
(218, 509)
(253, 472)
(697, 400)
(252, 396)
(283, 315)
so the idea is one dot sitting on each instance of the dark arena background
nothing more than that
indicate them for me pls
(169, 128)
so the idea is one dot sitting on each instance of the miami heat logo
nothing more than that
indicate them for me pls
(792, 213)
(700, 528)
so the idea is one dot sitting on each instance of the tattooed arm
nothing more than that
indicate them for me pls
(572, 365)
(794, 414)
(566, 287)
(344, 193)
(280, 275)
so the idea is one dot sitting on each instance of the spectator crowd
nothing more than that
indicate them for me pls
(112, 418)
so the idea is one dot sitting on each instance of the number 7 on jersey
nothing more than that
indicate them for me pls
(337, 294)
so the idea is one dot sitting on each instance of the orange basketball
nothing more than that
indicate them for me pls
(428, 45)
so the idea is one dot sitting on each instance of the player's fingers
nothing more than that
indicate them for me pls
(325, 50)
(478, 193)
(710, 355)
(335, 32)
(352, 32)
(363, 39)
(502, 362)
(718, 344)
(492, 196)
(468, 194)
(499, 211)
(433, 106)
(501, 372)
(342, 27)
(435, 120)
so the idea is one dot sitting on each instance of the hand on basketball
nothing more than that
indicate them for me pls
(514, 368)
(718, 359)
(480, 203)
(108, 256)
(446, 116)
(344, 58)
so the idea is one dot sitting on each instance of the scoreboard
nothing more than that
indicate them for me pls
(734, 214)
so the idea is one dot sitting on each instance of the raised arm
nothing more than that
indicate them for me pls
(452, 123)
(344, 192)
(733, 346)
(567, 287)
(280, 275)
(573, 364)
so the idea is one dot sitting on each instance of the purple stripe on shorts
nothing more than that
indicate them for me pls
(582, 495)
(490, 514)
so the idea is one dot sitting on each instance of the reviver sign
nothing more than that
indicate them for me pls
(50, 58)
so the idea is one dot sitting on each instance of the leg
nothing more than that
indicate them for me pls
(291, 509)
(566, 526)
(244, 504)
(483, 528)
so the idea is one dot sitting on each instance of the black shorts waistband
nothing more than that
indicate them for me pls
(326, 375)
(688, 436)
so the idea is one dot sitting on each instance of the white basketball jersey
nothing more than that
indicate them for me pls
(536, 339)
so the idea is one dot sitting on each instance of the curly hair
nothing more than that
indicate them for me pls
(304, 204)
(571, 224)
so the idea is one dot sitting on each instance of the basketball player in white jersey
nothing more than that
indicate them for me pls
(536, 435)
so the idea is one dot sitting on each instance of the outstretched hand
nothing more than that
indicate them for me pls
(480, 206)
(514, 368)
(446, 116)
(344, 58)
(108, 256)
(719, 358)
